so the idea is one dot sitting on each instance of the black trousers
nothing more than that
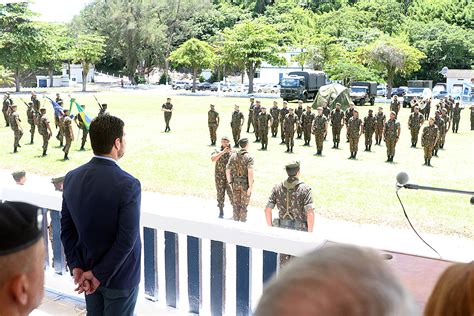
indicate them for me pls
(105, 302)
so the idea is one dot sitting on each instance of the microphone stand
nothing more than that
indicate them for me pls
(421, 187)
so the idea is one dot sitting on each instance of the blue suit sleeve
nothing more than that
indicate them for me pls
(128, 233)
(69, 237)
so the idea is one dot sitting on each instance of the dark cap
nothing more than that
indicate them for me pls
(20, 226)
(17, 175)
(293, 165)
(243, 142)
(371, 111)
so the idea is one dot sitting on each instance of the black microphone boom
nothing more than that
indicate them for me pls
(402, 182)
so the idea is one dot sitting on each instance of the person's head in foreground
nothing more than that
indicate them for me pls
(19, 177)
(244, 143)
(108, 136)
(453, 294)
(21, 258)
(336, 280)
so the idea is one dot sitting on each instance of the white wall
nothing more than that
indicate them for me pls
(450, 82)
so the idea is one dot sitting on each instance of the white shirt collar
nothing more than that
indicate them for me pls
(105, 158)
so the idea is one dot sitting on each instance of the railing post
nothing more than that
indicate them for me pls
(194, 274)
(243, 281)
(44, 224)
(217, 277)
(171, 269)
(150, 263)
(269, 265)
(58, 251)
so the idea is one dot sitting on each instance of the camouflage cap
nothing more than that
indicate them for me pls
(58, 179)
(225, 138)
(292, 165)
(243, 142)
(285, 102)
(19, 174)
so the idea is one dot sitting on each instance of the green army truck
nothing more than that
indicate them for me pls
(301, 85)
(363, 91)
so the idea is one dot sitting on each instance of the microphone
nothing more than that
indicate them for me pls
(402, 180)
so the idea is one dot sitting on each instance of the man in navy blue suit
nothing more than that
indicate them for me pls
(100, 224)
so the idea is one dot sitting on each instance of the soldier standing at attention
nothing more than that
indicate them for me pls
(59, 101)
(379, 124)
(395, 105)
(391, 134)
(354, 131)
(348, 115)
(256, 112)
(60, 135)
(250, 120)
(299, 112)
(236, 124)
(221, 158)
(307, 122)
(6, 109)
(80, 123)
(415, 121)
(289, 125)
(36, 102)
(439, 122)
(275, 113)
(369, 129)
(294, 201)
(447, 123)
(264, 122)
(337, 122)
(68, 133)
(31, 114)
(213, 123)
(427, 109)
(283, 112)
(239, 174)
(456, 117)
(103, 109)
(429, 138)
(326, 113)
(167, 108)
(44, 130)
(16, 127)
(320, 130)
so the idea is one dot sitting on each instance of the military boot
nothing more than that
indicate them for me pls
(15, 149)
(44, 153)
(287, 149)
(355, 154)
(370, 147)
(31, 141)
(429, 162)
(66, 157)
(221, 212)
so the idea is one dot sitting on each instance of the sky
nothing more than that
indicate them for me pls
(56, 10)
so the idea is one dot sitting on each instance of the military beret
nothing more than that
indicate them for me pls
(18, 174)
(252, 98)
(212, 105)
(20, 226)
(30, 102)
(292, 165)
(57, 179)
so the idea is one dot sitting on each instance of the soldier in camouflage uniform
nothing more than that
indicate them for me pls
(239, 173)
(456, 117)
(326, 113)
(391, 134)
(44, 130)
(369, 129)
(283, 112)
(447, 123)
(16, 127)
(307, 122)
(472, 117)
(264, 120)
(35, 101)
(256, 112)
(294, 201)
(236, 124)
(6, 108)
(439, 122)
(415, 121)
(250, 120)
(289, 125)
(221, 158)
(103, 109)
(395, 106)
(68, 133)
(213, 124)
(320, 130)
(348, 115)
(275, 113)
(354, 131)
(299, 112)
(379, 124)
(31, 114)
(60, 135)
(429, 138)
(80, 123)
(167, 108)
(337, 122)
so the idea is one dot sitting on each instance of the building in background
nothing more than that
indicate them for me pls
(71, 75)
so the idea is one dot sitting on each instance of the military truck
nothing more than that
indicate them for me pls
(301, 85)
(363, 91)
(418, 89)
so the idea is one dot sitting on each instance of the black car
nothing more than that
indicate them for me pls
(203, 86)
(400, 92)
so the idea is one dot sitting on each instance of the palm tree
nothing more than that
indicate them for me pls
(6, 77)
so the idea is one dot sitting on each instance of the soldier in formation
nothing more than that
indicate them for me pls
(391, 134)
(472, 117)
(35, 101)
(283, 112)
(32, 117)
(6, 108)
(440, 123)
(256, 112)
(16, 127)
(320, 129)
(354, 131)
(456, 117)
(294, 201)
(348, 115)
(82, 126)
(264, 122)
(275, 113)
(447, 123)
(167, 108)
(415, 121)
(326, 113)
(60, 135)
(213, 123)
(68, 133)
(289, 125)
(221, 158)
(395, 105)
(379, 124)
(103, 109)
(307, 122)
(44, 129)
(236, 123)
(369, 129)
(299, 112)
(250, 120)
(337, 118)
(429, 138)
(239, 174)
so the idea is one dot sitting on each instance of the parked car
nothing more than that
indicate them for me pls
(381, 91)
(203, 86)
(269, 88)
(178, 85)
(400, 92)
(440, 94)
(232, 87)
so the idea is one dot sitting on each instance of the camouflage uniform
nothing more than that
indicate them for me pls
(291, 121)
(43, 131)
(56, 116)
(326, 112)
(31, 114)
(428, 141)
(353, 132)
(337, 117)
(395, 107)
(319, 131)
(369, 129)
(263, 119)
(256, 112)
(6, 111)
(439, 122)
(221, 181)
(275, 113)
(283, 113)
(67, 134)
(250, 120)
(379, 124)
(84, 130)
(102, 112)
(212, 117)
(390, 135)
(17, 130)
(414, 123)
(60, 135)
(472, 117)
(307, 122)
(239, 163)
(347, 116)
(447, 123)
(167, 106)
(236, 125)
(299, 129)
(293, 199)
(456, 118)
(36, 103)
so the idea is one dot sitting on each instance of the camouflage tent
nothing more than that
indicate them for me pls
(331, 94)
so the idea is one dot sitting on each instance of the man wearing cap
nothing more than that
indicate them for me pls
(221, 158)
(294, 201)
(283, 112)
(264, 123)
(256, 112)
(103, 110)
(19, 177)
(31, 114)
(307, 122)
(337, 122)
(80, 123)
(427, 109)
(213, 123)
(21, 258)
(299, 112)
(35, 101)
(380, 120)
(275, 113)
(447, 122)
(429, 138)
(391, 134)
(348, 115)
(60, 135)
(369, 129)
(415, 121)
(456, 116)
(236, 123)
(289, 125)
(68, 133)
(44, 129)
(395, 105)
(320, 129)
(354, 131)
(167, 109)
(239, 174)
(16, 127)
(6, 109)
(250, 120)
(441, 124)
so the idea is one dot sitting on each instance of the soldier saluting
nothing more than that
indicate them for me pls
(391, 134)
(294, 200)
(44, 130)
(221, 158)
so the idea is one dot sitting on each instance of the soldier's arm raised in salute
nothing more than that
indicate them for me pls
(215, 156)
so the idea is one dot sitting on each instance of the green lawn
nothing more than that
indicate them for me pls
(359, 191)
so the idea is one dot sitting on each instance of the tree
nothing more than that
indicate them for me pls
(88, 50)
(348, 71)
(6, 77)
(251, 43)
(458, 12)
(385, 15)
(195, 54)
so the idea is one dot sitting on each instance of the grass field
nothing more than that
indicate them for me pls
(360, 191)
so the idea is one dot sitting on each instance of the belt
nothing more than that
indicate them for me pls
(290, 224)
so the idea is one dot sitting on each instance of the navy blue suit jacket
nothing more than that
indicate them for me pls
(100, 223)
